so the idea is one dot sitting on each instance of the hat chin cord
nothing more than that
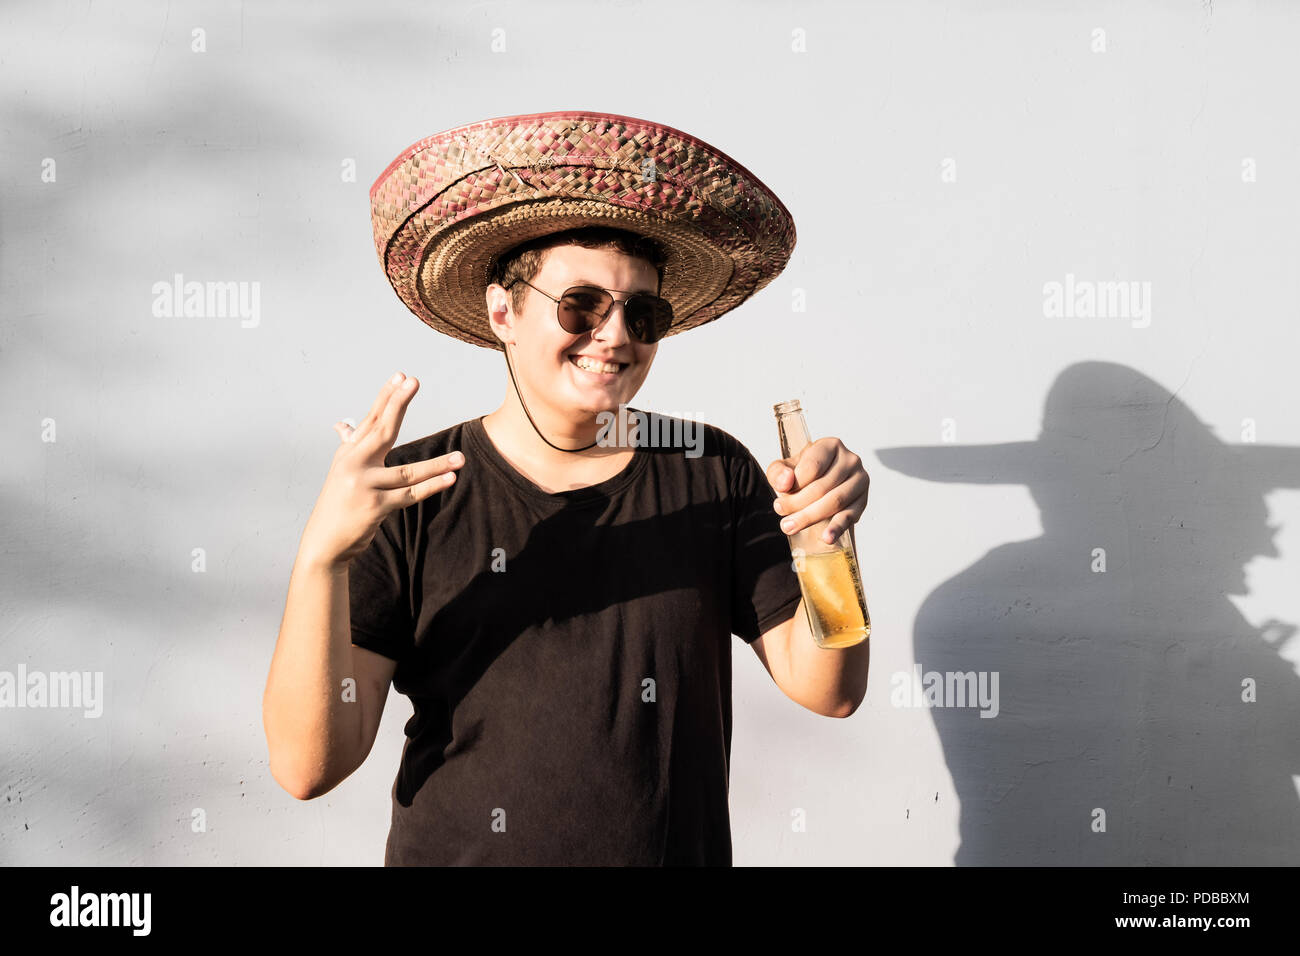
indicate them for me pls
(506, 352)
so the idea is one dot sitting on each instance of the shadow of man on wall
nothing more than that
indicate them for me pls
(1141, 719)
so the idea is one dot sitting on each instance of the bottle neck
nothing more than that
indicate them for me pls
(794, 433)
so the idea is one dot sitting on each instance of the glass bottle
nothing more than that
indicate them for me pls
(828, 573)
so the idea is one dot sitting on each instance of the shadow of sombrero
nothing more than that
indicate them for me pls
(1142, 720)
(1089, 402)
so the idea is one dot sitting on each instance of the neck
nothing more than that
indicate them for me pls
(511, 429)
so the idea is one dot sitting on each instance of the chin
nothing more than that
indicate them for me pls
(594, 405)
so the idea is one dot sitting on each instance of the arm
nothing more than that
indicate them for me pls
(828, 681)
(831, 484)
(317, 738)
(315, 735)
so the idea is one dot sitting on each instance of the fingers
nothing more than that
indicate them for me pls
(840, 499)
(787, 474)
(818, 470)
(381, 401)
(816, 460)
(790, 504)
(831, 486)
(780, 474)
(409, 495)
(416, 472)
(840, 523)
(376, 436)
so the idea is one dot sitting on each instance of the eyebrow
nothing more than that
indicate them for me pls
(599, 286)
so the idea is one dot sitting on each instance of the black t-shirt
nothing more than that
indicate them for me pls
(568, 655)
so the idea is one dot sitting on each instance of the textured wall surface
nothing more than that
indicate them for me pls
(1045, 285)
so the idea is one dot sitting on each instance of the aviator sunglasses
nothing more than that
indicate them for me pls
(583, 308)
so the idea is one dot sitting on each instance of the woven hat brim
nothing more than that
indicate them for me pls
(449, 206)
(452, 279)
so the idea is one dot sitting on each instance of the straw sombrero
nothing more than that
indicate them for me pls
(446, 209)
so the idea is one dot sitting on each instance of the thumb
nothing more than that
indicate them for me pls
(780, 474)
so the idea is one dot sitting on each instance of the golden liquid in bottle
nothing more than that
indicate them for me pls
(837, 610)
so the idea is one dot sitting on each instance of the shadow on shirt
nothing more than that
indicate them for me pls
(596, 596)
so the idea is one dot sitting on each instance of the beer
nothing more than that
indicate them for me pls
(832, 593)
(828, 573)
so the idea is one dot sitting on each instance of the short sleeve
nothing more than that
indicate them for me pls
(379, 593)
(765, 589)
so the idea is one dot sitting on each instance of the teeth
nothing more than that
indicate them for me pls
(593, 366)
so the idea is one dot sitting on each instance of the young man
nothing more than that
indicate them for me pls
(557, 607)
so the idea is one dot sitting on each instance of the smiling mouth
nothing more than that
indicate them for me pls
(595, 367)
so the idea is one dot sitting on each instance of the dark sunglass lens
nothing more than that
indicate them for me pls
(581, 309)
(648, 317)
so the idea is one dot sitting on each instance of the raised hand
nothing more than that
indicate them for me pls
(360, 491)
(825, 483)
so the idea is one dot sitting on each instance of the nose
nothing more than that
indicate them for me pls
(612, 331)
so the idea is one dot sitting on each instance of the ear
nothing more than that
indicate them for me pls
(501, 315)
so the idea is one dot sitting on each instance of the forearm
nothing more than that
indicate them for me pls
(831, 681)
(312, 733)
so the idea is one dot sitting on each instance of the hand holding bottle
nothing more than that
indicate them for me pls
(821, 489)
(824, 482)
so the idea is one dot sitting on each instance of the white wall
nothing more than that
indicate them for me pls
(924, 303)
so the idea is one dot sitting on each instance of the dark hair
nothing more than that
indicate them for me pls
(525, 260)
